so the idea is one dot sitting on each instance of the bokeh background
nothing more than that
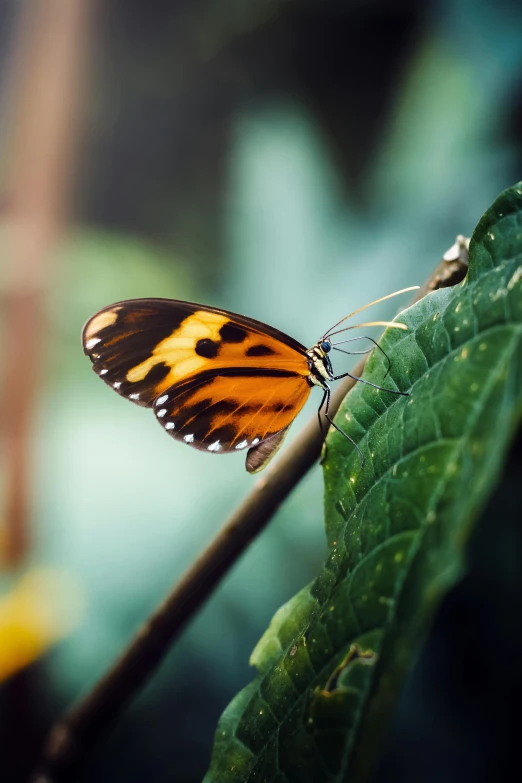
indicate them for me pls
(288, 159)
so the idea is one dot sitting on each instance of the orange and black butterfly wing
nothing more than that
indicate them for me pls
(217, 380)
(232, 409)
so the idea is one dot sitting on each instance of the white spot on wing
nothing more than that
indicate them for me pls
(161, 413)
(242, 445)
(134, 396)
(255, 441)
(117, 384)
(169, 425)
(92, 342)
(216, 446)
(189, 438)
(103, 372)
(162, 399)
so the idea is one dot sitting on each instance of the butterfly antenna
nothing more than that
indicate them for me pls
(389, 324)
(364, 307)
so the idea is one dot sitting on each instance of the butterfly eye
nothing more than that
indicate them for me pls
(326, 345)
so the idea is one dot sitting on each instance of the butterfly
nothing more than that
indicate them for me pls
(216, 380)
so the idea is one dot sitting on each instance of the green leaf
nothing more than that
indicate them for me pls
(396, 530)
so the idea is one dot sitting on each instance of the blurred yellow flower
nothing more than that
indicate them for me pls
(41, 608)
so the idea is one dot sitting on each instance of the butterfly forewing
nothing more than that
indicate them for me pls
(143, 347)
(217, 380)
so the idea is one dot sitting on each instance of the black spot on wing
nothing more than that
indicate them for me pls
(230, 333)
(260, 350)
(207, 348)
(276, 407)
(157, 374)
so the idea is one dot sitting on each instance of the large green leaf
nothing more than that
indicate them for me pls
(396, 530)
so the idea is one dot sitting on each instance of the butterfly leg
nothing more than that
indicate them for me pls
(368, 350)
(321, 427)
(327, 395)
(369, 383)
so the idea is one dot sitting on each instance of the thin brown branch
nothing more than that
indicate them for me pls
(74, 736)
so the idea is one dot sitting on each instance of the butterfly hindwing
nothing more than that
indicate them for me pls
(233, 410)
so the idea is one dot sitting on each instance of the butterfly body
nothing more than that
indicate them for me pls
(216, 380)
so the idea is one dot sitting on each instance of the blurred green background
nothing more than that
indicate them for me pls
(290, 160)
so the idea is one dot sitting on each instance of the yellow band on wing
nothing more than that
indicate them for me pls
(178, 350)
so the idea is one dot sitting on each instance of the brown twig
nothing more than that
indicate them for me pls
(73, 737)
(451, 270)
